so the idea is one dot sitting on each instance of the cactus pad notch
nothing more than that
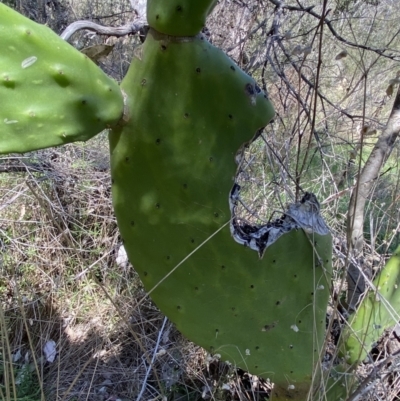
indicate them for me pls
(54, 94)
(172, 168)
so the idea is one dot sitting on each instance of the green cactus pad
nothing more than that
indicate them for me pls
(178, 17)
(173, 168)
(51, 94)
(376, 313)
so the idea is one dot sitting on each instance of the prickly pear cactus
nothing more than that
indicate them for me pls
(256, 295)
(173, 167)
(50, 93)
(376, 313)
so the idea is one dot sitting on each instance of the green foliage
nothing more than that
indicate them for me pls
(55, 94)
(376, 313)
(22, 378)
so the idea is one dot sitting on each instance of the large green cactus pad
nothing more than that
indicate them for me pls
(178, 17)
(50, 93)
(173, 168)
(376, 313)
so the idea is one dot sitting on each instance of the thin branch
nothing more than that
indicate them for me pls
(129, 29)
(249, 34)
(328, 22)
(311, 85)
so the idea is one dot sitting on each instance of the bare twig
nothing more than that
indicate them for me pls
(328, 22)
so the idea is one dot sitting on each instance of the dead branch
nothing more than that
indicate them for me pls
(129, 29)
(369, 175)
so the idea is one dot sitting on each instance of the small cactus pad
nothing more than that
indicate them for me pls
(376, 313)
(178, 17)
(51, 94)
(173, 173)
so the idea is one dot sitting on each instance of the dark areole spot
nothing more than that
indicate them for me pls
(249, 89)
